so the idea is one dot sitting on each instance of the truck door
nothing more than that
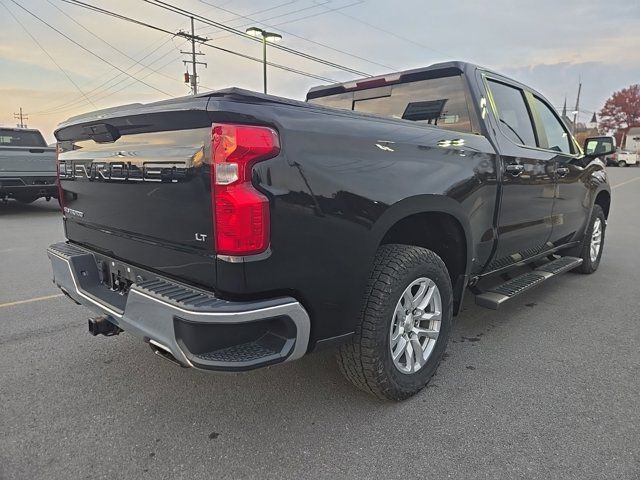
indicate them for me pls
(528, 177)
(571, 206)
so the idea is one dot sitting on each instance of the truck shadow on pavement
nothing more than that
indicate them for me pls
(115, 387)
(291, 390)
(39, 208)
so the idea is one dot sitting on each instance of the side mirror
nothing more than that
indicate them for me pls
(599, 146)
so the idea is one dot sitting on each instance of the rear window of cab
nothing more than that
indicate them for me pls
(441, 102)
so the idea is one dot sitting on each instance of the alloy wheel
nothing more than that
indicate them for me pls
(596, 240)
(415, 325)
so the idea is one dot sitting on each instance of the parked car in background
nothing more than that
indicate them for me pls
(623, 158)
(234, 230)
(27, 166)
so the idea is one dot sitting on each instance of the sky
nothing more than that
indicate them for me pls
(550, 45)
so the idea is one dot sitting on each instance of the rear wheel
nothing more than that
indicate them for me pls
(622, 163)
(593, 242)
(404, 325)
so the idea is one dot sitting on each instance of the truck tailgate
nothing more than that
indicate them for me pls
(27, 161)
(136, 187)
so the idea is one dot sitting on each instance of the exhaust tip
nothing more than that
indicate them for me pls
(164, 352)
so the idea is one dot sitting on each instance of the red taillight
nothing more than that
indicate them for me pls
(240, 212)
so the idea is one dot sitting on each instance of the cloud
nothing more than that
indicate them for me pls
(549, 44)
(557, 80)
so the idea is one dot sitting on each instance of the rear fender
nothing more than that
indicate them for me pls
(425, 204)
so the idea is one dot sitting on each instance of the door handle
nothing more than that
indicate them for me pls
(562, 171)
(515, 169)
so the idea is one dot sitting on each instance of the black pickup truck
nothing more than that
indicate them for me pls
(234, 230)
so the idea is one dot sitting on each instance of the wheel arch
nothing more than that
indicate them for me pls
(412, 222)
(603, 199)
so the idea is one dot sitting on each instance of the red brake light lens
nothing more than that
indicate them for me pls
(240, 212)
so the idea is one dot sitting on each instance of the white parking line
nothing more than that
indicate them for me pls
(30, 300)
(13, 249)
(624, 183)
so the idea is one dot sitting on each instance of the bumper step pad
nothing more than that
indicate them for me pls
(180, 295)
(499, 294)
(66, 250)
(247, 352)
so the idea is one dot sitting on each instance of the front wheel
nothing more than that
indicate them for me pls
(593, 242)
(622, 163)
(404, 325)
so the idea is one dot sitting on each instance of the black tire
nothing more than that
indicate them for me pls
(622, 163)
(589, 266)
(366, 359)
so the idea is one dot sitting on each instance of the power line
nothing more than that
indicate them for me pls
(389, 32)
(51, 107)
(235, 31)
(253, 20)
(47, 54)
(86, 49)
(275, 7)
(95, 96)
(285, 14)
(88, 6)
(187, 13)
(172, 60)
(101, 96)
(154, 27)
(131, 82)
(275, 65)
(137, 62)
(317, 14)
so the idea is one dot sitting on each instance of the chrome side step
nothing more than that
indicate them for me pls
(512, 288)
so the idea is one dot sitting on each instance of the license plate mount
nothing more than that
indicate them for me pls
(117, 276)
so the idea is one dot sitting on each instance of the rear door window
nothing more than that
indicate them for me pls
(513, 114)
(555, 136)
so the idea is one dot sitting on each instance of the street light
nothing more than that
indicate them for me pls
(266, 37)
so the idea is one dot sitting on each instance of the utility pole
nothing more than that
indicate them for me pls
(193, 79)
(22, 117)
(575, 112)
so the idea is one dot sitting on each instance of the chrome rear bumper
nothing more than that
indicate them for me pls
(196, 328)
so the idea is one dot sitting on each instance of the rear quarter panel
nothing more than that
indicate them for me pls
(341, 181)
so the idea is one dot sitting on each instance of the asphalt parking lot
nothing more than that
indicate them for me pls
(548, 387)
